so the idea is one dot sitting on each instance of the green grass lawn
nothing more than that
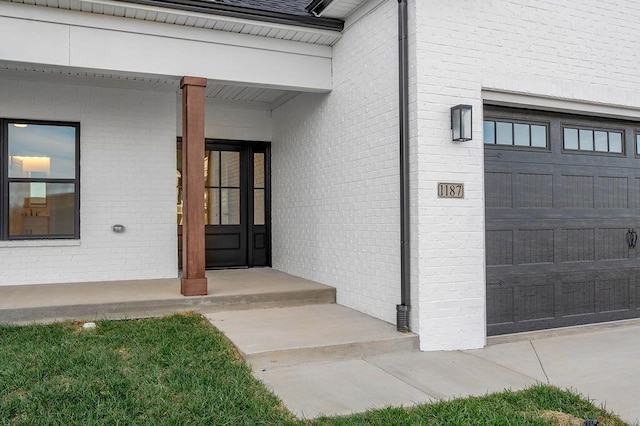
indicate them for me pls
(180, 370)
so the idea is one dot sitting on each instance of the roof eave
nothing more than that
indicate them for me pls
(246, 13)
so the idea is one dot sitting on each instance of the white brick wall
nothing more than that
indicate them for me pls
(578, 51)
(335, 173)
(233, 121)
(127, 176)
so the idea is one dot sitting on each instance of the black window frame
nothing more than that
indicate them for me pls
(5, 180)
(593, 130)
(513, 122)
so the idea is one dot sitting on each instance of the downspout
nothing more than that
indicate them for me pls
(402, 310)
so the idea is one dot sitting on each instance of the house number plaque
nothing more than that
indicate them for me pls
(450, 190)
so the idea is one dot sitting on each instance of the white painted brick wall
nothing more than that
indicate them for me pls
(335, 173)
(127, 176)
(226, 120)
(579, 51)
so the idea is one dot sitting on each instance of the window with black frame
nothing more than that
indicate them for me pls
(40, 180)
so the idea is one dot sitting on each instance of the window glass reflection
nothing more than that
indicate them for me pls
(212, 207)
(489, 132)
(45, 151)
(570, 138)
(258, 207)
(41, 209)
(615, 142)
(601, 144)
(538, 136)
(212, 168)
(230, 169)
(258, 170)
(230, 206)
(521, 134)
(586, 140)
(504, 133)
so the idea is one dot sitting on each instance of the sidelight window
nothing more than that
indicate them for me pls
(39, 180)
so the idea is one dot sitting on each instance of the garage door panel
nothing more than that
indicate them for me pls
(557, 223)
(509, 272)
(534, 190)
(559, 300)
(615, 295)
(535, 246)
(500, 305)
(579, 191)
(578, 298)
(501, 197)
(499, 247)
(611, 192)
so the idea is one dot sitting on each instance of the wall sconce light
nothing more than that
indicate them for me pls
(461, 123)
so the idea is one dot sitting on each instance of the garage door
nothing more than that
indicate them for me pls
(562, 213)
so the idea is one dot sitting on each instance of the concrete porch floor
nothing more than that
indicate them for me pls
(229, 289)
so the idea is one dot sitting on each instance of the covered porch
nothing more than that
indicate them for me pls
(230, 289)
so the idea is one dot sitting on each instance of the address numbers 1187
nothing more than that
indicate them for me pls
(450, 190)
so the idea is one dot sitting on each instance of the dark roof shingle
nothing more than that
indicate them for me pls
(289, 7)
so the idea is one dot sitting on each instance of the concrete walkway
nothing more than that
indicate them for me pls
(601, 362)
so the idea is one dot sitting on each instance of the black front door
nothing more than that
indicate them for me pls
(236, 204)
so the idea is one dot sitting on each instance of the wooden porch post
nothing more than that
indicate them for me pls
(194, 281)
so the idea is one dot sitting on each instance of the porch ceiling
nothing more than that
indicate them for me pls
(262, 97)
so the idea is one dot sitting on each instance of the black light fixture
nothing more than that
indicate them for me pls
(461, 122)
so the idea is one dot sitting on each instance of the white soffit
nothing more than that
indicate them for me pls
(194, 19)
(340, 9)
(260, 97)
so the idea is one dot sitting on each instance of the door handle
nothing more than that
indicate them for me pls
(632, 238)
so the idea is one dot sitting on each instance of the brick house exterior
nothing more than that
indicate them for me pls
(321, 87)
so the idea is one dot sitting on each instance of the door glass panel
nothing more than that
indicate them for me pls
(212, 206)
(601, 141)
(258, 170)
(615, 142)
(230, 169)
(489, 132)
(504, 133)
(258, 207)
(212, 168)
(539, 136)
(229, 206)
(37, 208)
(570, 138)
(179, 185)
(586, 140)
(521, 132)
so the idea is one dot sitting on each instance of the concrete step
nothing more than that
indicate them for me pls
(228, 290)
(273, 338)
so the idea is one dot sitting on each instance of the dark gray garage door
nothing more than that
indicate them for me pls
(562, 202)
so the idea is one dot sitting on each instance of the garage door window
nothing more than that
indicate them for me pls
(515, 134)
(592, 140)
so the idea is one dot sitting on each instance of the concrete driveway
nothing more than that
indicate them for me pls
(601, 362)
